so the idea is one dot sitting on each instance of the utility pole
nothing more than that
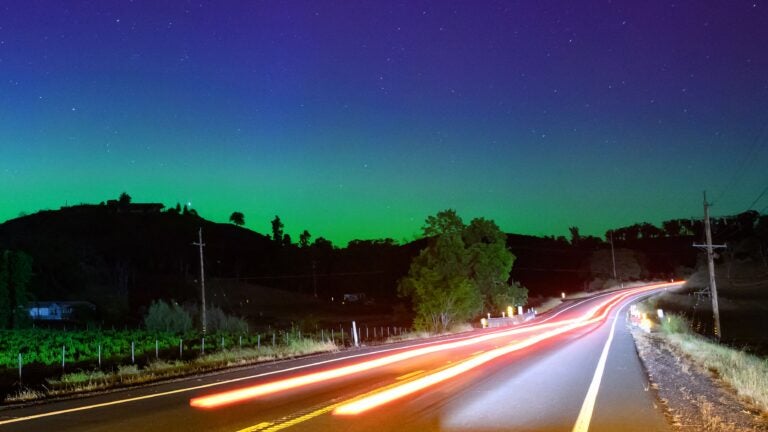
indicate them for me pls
(613, 256)
(202, 276)
(711, 264)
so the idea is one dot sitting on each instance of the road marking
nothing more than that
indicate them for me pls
(296, 418)
(585, 415)
(258, 427)
(409, 375)
(588, 407)
(288, 422)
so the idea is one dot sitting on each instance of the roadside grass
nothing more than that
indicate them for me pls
(85, 381)
(548, 304)
(25, 395)
(746, 373)
(421, 334)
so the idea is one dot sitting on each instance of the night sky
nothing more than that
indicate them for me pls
(357, 119)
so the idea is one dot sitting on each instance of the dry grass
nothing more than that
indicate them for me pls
(411, 335)
(746, 373)
(84, 381)
(416, 334)
(712, 421)
(25, 395)
(549, 304)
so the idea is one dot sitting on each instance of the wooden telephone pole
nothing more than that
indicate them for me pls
(709, 247)
(202, 277)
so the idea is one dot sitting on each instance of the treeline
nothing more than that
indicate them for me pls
(122, 256)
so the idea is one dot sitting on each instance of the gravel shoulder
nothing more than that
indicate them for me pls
(694, 398)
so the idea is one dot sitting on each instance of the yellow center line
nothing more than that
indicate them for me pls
(292, 420)
(409, 375)
(257, 427)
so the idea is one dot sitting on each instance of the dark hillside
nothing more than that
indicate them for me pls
(120, 261)
(121, 257)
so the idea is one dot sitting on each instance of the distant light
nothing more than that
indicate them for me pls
(562, 295)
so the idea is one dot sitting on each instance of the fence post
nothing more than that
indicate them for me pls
(241, 342)
(342, 336)
(181, 348)
(258, 341)
(354, 333)
(366, 333)
(157, 350)
(333, 337)
(19, 367)
(63, 350)
(99, 355)
(273, 338)
(222, 343)
(202, 346)
(132, 353)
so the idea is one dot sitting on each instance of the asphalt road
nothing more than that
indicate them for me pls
(574, 369)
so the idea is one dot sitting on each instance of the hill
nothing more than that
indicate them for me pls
(121, 256)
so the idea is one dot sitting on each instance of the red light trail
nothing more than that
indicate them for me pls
(557, 327)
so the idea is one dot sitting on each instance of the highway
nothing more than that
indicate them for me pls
(573, 369)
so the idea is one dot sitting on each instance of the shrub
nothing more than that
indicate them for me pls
(218, 321)
(170, 318)
(675, 324)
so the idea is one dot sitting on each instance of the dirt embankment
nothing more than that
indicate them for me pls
(695, 398)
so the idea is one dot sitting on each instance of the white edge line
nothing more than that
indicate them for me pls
(588, 406)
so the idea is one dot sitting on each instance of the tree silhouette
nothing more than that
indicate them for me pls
(629, 264)
(277, 230)
(124, 200)
(237, 218)
(304, 239)
(575, 236)
(174, 210)
(649, 231)
(15, 273)
(287, 240)
(672, 227)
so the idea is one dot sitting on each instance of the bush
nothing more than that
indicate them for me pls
(218, 321)
(675, 324)
(163, 317)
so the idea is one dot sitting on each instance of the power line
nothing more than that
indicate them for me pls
(748, 159)
(758, 198)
